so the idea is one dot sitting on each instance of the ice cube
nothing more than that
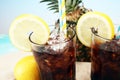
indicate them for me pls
(57, 41)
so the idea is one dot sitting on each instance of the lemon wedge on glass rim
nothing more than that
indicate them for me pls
(97, 20)
(21, 28)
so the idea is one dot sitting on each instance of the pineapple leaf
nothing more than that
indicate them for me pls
(52, 3)
(54, 7)
(46, 1)
(71, 5)
(76, 3)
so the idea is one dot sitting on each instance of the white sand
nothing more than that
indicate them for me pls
(8, 61)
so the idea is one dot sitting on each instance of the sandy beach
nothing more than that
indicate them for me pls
(8, 61)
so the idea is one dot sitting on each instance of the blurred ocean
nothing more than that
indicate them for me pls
(6, 45)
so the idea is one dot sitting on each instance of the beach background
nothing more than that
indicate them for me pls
(10, 9)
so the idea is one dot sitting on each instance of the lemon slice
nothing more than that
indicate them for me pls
(23, 25)
(97, 20)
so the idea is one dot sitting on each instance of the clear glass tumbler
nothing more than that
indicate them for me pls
(56, 61)
(105, 57)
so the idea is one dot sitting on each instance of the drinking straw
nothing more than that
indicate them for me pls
(62, 14)
(118, 33)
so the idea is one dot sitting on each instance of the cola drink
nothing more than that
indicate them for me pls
(56, 58)
(105, 58)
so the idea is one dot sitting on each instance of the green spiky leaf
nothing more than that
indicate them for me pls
(71, 5)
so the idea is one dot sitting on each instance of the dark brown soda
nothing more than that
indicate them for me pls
(106, 61)
(56, 65)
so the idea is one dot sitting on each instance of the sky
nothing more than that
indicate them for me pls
(10, 9)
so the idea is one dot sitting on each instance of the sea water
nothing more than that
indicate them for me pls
(5, 45)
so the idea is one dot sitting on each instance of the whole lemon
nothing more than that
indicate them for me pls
(26, 69)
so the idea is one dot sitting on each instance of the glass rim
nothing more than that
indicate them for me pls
(67, 40)
(95, 32)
